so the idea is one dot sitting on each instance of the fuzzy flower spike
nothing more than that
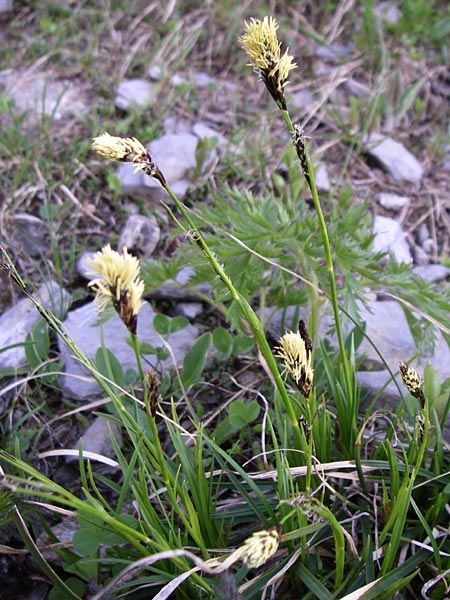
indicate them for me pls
(295, 350)
(261, 44)
(259, 547)
(128, 150)
(119, 282)
(412, 381)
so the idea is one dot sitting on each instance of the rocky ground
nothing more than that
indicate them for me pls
(198, 107)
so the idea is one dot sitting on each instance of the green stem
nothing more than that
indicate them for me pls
(328, 258)
(247, 312)
(157, 448)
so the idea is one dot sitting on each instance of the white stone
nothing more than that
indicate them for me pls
(17, 322)
(333, 52)
(155, 72)
(6, 5)
(83, 326)
(190, 310)
(130, 179)
(203, 80)
(390, 12)
(301, 100)
(394, 157)
(356, 88)
(175, 155)
(137, 92)
(38, 94)
(140, 235)
(392, 202)
(175, 290)
(322, 179)
(97, 438)
(83, 268)
(432, 272)
(178, 79)
(389, 236)
(204, 131)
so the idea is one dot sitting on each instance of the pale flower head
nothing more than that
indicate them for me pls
(259, 547)
(119, 282)
(261, 44)
(128, 150)
(295, 350)
(412, 381)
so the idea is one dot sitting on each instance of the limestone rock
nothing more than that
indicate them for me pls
(18, 321)
(389, 236)
(83, 326)
(394, 157)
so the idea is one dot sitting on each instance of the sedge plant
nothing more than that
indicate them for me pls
(179, 538)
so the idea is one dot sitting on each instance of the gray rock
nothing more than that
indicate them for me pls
(30, 233)
(356, 88)
(6, 5)
(179, 188)
(204, 131)
(175, 155)
(334, 52)
(387, 327)
(82, 324)
(420, 256)
(203, 80)
(38, 94)
(97, 438)
(178, 79)
(322, 179)
(394, 157)
(423, 233)
(175, 124)
(17, 322)
(63, 532)
(140, 235)
(175, 149)
(137, 92)
(432, 273)
(83, 268)
(302, 100)
(155, 72)
(130, 179)
(392, 202)
(175, 290)
(374, 381)
(390, 12)
(389, 236)
(428, 246)
(190, 310)
(425, 239)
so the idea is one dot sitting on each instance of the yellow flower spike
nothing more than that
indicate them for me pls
(412, 381)
(259, 547)
(295, 350)
(261, 44)
(119, 282)
(128, 150)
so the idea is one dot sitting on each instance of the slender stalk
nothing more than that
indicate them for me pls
(247, 312)
(327, 250)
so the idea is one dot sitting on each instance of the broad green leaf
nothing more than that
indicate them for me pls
(161, 323)
(195, 359)
(242, 343)
(222, 340)
(432, 383)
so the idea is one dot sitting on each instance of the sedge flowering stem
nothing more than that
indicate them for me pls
(328, 258)
(247, 312)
